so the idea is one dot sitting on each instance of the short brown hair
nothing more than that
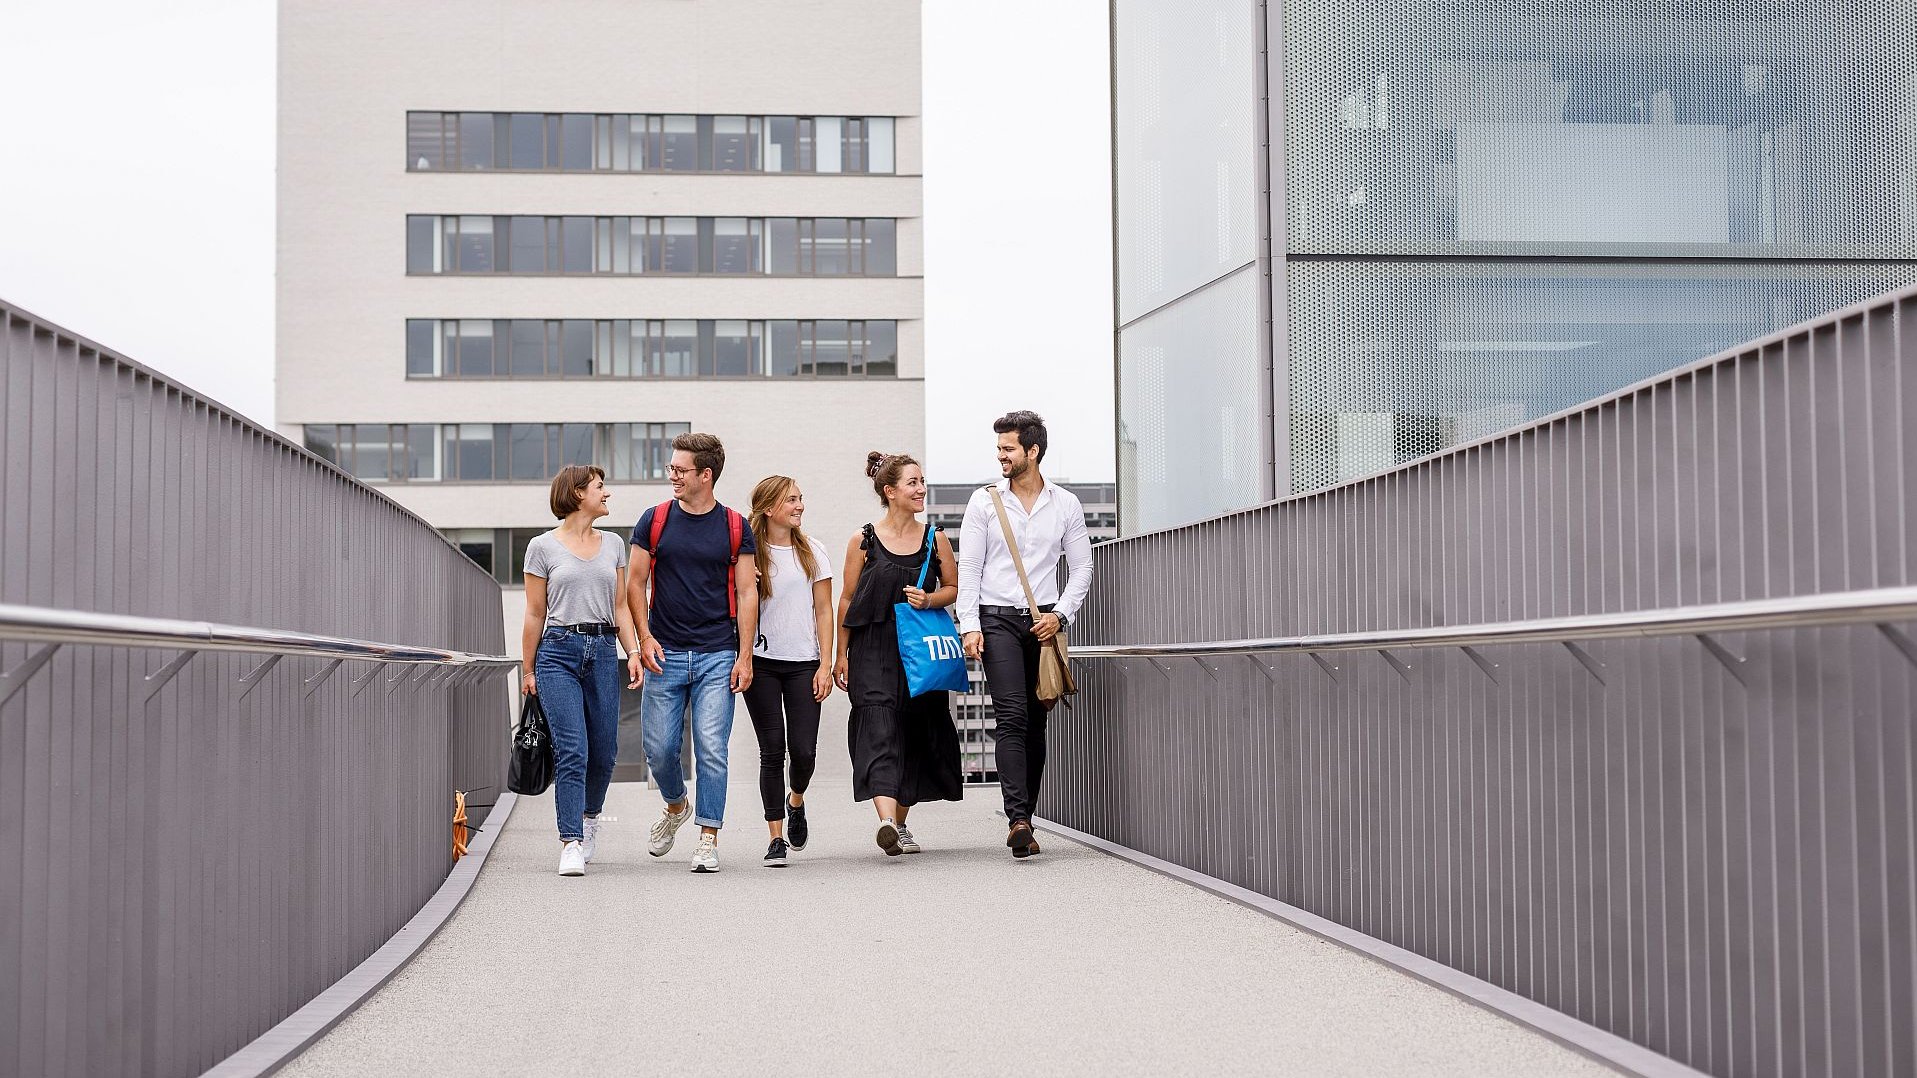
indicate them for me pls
(707, 452)
(566, 486)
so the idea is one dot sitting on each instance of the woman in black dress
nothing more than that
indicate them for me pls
(904, 747)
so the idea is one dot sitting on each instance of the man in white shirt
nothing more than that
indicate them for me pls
(1000, 627)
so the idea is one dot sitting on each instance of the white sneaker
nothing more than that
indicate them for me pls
(706, 859)
(666, 828)
(907, 844)
(572, 859)
(592, 837)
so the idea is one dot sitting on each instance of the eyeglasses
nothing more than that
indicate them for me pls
(677, 472)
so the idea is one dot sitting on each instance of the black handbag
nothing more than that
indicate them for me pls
(531, 769)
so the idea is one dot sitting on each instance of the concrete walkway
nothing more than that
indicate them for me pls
(957, 961)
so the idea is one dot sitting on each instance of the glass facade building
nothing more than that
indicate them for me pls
(1379, 233)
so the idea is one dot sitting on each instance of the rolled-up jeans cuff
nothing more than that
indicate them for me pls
(702, 821)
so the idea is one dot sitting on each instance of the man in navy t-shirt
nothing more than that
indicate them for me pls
(698, 653)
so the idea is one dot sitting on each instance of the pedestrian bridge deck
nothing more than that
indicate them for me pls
(957, 960)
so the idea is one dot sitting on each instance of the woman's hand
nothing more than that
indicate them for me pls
(842, 673)
(916, 597)
(822, 683)
(635, 671)
(526, 684)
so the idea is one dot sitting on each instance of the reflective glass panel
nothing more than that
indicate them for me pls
(679, 144)
(475, 140)
(1185, 145)
(1566, 127)
(1191, 425)
(1392, 361)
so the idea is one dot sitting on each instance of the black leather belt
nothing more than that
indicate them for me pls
(1014, 611)
(591, 629)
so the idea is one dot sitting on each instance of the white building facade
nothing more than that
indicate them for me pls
(517, 235)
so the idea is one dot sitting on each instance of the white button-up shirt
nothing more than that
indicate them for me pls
(1055, 527)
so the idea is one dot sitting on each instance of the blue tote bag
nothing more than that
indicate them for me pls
(928, 639)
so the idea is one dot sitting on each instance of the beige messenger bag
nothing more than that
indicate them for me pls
(1054, 657)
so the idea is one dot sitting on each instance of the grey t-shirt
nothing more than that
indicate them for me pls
(578, 591)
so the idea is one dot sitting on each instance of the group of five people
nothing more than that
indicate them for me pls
(708, 603)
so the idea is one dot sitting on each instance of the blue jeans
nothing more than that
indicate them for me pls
(578, 681)
(699, 683)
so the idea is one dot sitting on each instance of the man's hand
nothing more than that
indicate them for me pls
(1045, 627)
(822, 683)
(652, 655)
(742, 673)
(974, 645)
(635, 672)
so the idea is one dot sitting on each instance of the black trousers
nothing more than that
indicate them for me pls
(786, 718)
(1011, 675)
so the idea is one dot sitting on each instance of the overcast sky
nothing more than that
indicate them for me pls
(136, 191)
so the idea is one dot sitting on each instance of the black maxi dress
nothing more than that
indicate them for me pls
(903, 746)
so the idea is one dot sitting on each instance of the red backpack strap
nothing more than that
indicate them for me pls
(658, 528)
(735, 527)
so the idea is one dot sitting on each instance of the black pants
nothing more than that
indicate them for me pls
(786, 717)
(1011, 675)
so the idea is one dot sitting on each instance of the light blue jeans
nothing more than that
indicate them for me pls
(578, 678)
(699, 683)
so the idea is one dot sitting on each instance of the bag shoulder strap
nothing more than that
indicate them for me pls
(931, 551)
(652, 551)
(1011, 543)
(735, 526)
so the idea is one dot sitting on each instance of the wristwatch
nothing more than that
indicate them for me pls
(1063, 621)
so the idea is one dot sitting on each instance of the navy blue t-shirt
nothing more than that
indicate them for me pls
(691, 573)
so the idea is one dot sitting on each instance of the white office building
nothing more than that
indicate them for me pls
(516, 235)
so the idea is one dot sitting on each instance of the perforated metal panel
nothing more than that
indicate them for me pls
(1702, 128)
(1390, 361)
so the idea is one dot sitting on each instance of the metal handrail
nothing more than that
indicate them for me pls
(53, 629)
(1877, 606)
(40, 624)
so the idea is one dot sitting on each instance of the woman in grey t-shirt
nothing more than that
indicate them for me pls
(575, 578)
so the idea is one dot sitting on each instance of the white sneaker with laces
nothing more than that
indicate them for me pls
(592, 837)
(907, 844)
(666, 828)
(572, 859)
(706, 858)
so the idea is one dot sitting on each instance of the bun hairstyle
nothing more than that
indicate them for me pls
(886, 471)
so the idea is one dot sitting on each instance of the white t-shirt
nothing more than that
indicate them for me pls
(788, 628)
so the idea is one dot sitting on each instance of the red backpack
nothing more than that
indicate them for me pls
(735, 528)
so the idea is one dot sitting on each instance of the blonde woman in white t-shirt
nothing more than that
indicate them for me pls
(791, 664)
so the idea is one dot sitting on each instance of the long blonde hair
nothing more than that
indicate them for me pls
(765, 498)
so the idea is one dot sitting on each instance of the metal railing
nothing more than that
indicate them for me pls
(194, 845)
(1879, 606)
(1697, 834)
(54, 629)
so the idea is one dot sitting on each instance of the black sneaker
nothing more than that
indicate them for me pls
(775, 854)
(795, 827)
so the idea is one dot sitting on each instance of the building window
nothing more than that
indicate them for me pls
(832, 348)
(638, 142)
(577, 245)
(502, 551)
(494, 452)
(649, 348)
(378, 451)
